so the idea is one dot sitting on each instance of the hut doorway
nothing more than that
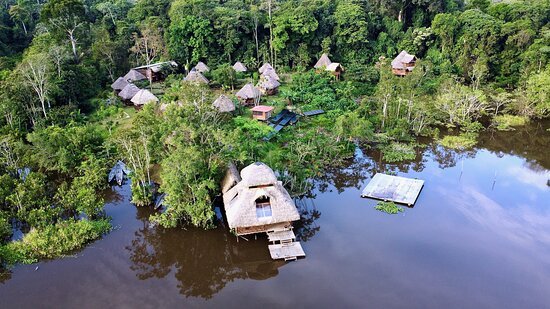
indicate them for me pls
(263, 207)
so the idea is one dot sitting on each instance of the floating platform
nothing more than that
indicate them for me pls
(393, 188)
(281, 236)
(288, 251)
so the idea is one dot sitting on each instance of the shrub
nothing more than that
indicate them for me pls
(507, 122)
(53, 241)
(462, 141)
(396, 152)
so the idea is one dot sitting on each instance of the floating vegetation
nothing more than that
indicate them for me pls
(462, 141)
(397, 152)
(508, 122)
(388, 207)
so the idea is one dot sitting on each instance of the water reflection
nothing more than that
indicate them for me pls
(203, 262)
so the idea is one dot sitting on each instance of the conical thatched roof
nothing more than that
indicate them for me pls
(119, 84)
(239, 67)
(196, 77)
(268, 83)
(224, 104)
(248, 91)
(144, 96)
(201, 67)
(258, 182)
(133, 76)
(265, 67)
(128, 92)
(324, 61)
(271, 73)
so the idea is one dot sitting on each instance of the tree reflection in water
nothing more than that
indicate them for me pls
(203, 261)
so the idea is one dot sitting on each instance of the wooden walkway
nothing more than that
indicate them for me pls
(287, 251)
(281, 236)
(393, 188)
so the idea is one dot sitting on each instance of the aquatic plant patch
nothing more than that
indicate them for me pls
(388, 207)
(508, 122)
(462, 141)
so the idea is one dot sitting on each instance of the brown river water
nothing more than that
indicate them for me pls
(478, 237)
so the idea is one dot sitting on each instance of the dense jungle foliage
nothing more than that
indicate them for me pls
(481, 65)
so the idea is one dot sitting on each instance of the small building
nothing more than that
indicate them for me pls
(271, 73)
(268, 85)
(201, 67)
(264, 67)
(134, 76)
(249, 95)
(143, 97)
(403, 64)
(336, 69)
(256, 202)
(196, 77)
(323, 62)
(155, 72)
(128, 93)
(262, 112)
(239, 67)
(119, 84)
(224, 104)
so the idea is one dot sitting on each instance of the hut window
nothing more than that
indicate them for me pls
(263, 207)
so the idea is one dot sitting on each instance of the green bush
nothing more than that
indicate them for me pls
(396, 152)
(53, 241)
(462, 141)
(507, 122)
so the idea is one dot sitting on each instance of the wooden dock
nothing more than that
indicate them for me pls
(287, 251)
(393, 188)
(281, 236)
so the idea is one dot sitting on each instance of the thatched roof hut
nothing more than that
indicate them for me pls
(403, 64)
(323, 62)
(134, 76)
(143, 97)
(271, 73)
(119, 84)
(128, 92)
(196, 77)
(258, 202)
(201, 67)
(268, 85)
(265, 67)
(248, 91)
(224, 104)
(239, 67)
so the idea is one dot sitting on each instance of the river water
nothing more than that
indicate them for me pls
(478, 237)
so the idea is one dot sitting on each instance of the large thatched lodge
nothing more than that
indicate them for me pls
(256, 202)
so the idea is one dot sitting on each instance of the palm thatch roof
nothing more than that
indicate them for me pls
(258, 182)
(268, 83)
(201, 67)
(119, 84)
(133, 76)
(196, 77)
(128, 92)
(402, 59)
(157, 67)
(144, 96)
(239, 67)
(248, 91)
(324, 61)
(224, 104)
(271, 73)
(333, 67)
(265, 67)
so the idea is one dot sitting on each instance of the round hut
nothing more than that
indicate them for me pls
(239, 67)
(249, 95)
(224, 104)
(143, 97)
